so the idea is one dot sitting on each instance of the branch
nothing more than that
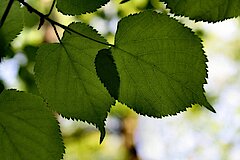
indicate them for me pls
(52, 22)
(10, 3)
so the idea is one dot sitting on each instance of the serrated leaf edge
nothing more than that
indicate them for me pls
(86, 12)
(100, 78)
(203, 52)
(195, 20)
(102, 130)
(47, 108)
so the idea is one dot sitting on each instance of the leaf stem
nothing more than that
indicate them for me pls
(56, 32)
(52, 22)
(10, 3)
(50, 11)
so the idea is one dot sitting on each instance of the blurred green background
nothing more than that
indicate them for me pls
(193, 135)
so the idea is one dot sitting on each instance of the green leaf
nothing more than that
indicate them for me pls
(206, 10)
(75, 7)
(30, 52)
(107, 72)
(6, 49)
(28, 130)
(66, 77)
(12, 25)
(30, 20)
(161, 65)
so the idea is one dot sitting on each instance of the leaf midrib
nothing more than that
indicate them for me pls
(82, 82)
(28, 124)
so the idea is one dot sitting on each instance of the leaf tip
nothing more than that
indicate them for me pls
(211, 109)
(102, 135)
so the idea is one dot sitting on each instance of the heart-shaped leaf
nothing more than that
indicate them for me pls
(161, 64)
(66, 77)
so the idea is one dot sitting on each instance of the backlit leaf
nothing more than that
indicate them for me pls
(66, 77)
(206, 10)
(30, 19)
(12, 25)
(75, 7)
(161, 64)
(28, 130)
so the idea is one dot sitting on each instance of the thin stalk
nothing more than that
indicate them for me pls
(50, 11)
(31, 9)
(56, 32)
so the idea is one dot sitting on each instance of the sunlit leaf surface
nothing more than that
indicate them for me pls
(66, 76)
(28, 130)
(161, 64)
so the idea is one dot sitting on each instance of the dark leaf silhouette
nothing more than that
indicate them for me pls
(107, 72)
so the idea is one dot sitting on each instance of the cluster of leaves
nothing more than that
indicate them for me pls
(156, 66)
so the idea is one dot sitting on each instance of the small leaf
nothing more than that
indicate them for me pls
(161, 64)
(28, 130)
(75, 7)
(107, 72)
(66, 77)
(205, 10)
